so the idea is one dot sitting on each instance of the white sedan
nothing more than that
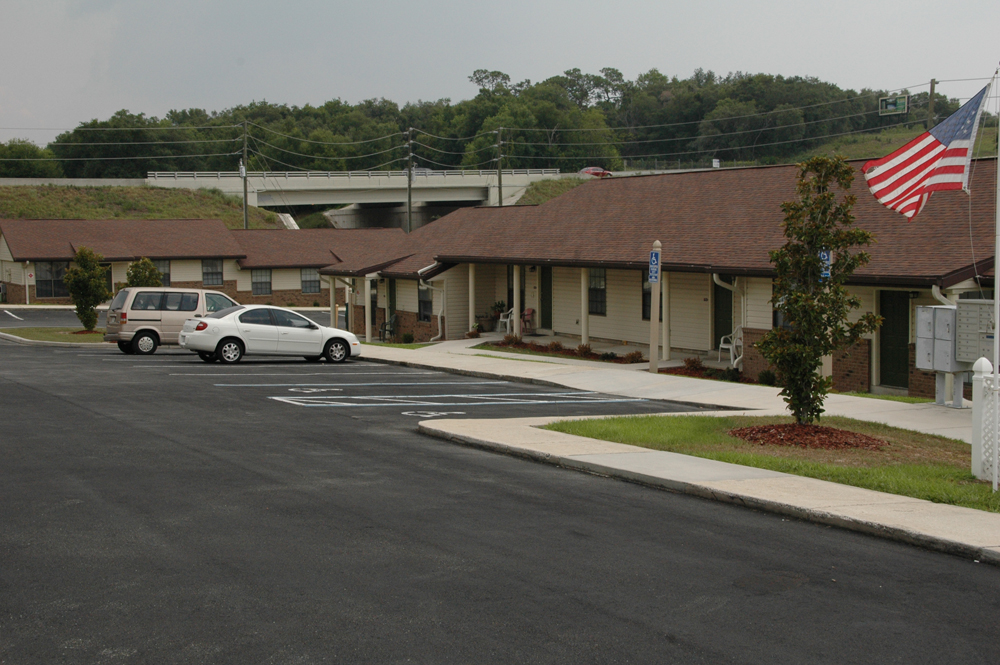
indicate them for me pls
(229, 334)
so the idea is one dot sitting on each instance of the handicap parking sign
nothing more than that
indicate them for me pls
(825, 259)
(654, 267)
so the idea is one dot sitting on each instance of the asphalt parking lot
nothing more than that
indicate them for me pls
(161, 509)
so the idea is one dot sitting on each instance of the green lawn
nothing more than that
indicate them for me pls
(917, 465)
(75, 335)
(906, 399)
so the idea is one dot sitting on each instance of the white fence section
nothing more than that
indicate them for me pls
(984, 422)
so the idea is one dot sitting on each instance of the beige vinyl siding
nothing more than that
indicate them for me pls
(190, 271)
(759, 311)
(406, 295)
(690, 311)
(565, 300)
(244, 280)
(5, 254)
(491, 286)
(119, 273)
(867, 296)
(230, 269)
(285, 279)
(623, 320)
(456, 294)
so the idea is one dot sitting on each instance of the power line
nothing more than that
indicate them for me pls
(296, 138)
(448, 152)
(299, 154)
(453, 166)
(148, 142)
(108, 159)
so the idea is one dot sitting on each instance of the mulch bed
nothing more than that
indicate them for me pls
(701, 373)
(86, 332)
(808, 436)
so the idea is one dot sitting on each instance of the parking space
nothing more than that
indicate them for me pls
(357, 386)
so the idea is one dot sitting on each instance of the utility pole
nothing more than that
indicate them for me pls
(243, 172)
(930, 106)
(409, 179)
(500, 167)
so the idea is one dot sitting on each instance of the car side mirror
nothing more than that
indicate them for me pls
(313, 326)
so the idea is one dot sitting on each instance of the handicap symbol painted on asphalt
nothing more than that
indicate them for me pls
(432, 414)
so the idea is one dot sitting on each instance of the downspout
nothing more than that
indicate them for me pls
(26, 291)
(444, 303)
(936, 292)
(349, 287)
(741, 294)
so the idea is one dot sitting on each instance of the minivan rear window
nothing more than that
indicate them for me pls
(180, 302)
(119, 300)
(147, 300)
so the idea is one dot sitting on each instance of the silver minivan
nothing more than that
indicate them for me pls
(142, 318)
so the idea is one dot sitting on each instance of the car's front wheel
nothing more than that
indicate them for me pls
(336, 351)
(126, 348)
(207, 357)
(145, 344)
(229, 351)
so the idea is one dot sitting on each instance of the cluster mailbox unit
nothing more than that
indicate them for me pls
(975, 330)
(937, 350)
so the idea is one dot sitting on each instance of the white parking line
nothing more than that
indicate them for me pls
(14, 315)
(361, 385)
(502, 399)
(308, 374)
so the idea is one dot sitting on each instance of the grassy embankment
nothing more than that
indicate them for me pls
(61, 202)
(873, 146)
(75, 335)
(544, 190)
(914, 464)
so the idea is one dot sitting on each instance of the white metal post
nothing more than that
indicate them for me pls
(995, 434)
(979, 372)
(665, 288)
(368, 309)
(654, 309)
(472, 296)
(516, 314)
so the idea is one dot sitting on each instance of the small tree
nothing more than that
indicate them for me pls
(86, 282)
(143, 273)
(815, 307)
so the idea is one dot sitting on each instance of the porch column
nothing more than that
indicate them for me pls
(665, 297)
(334, 308)
(472, 296)
(517, 300)
(584, 306)
(368, 310)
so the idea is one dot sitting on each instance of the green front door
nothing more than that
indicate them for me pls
(546, 298)
(894, 339)
(723, 311)
(391, 299)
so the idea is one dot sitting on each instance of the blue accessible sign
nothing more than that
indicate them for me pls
(825, 257)
(654, 267)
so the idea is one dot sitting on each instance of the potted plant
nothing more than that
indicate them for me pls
(474, 333)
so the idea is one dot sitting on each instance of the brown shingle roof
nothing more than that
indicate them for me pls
(363, 251)
(719, 221)
(119, 239)
(311, 248)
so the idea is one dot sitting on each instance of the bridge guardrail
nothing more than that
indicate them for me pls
(218, 175)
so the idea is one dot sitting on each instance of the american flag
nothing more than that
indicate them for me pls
(934, 161)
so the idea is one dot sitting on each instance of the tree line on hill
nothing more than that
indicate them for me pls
(567, 122)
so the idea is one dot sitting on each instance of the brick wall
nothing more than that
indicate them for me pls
(290, 298)
(753, 361)
(422, 331)
(852, 368)
(228, 287)
(358, 319)
(921, 382)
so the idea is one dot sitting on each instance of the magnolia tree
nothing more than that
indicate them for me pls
(86, 282)
(819, 256)
(143, 273)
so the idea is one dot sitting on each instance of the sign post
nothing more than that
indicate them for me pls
(654, 308)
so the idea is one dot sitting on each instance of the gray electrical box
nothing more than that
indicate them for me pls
(974, 330)
(936, 340)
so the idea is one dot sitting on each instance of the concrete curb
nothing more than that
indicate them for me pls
(902, 535)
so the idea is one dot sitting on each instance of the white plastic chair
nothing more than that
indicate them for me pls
(733, 343)
(506, 322)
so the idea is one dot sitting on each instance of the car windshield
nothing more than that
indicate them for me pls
(224, 312)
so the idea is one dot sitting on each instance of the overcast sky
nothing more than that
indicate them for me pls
(69, 61)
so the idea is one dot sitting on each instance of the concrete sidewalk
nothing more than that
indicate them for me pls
(962, 531)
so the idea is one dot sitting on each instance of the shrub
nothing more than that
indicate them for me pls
(730, 374)
(535, 346)
(407, 338)
(143, 273)
(555, 347)
(633, 357)
(767, 378)
(86, 284)
(584, 351)
(609, 356)
(694, 363)
(315, 303)
(510, 340)
(473, 334)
